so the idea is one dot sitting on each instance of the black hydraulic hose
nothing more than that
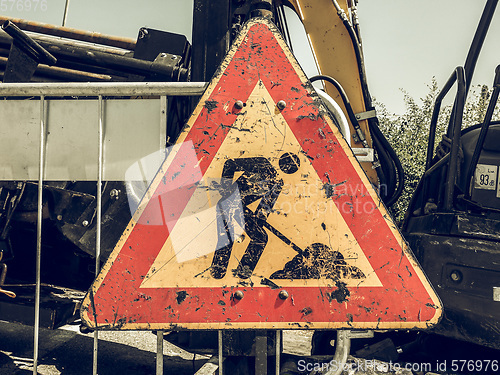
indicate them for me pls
(347, 104)
(385, 170)
(392, 169)
(395, 159)
(389, 157)
(396, 163)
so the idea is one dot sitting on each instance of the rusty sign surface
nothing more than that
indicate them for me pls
(260, 217)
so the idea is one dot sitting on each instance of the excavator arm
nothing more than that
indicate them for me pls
(333, 34)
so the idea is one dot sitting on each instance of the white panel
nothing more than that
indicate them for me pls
(19, 139)
(133, 129)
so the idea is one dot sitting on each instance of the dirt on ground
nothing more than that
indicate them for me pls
(69, 352)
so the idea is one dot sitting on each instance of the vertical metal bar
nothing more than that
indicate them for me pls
(159, 353)
(100, 132)
(163, 122)
(261, 353)
(221, 354)
(39, 235)
(456, 126)
(342, 349)
(482, 134)
(65, 16)
(477, 42)
(277, 350)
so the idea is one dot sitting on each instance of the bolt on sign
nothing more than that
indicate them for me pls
(260, 217)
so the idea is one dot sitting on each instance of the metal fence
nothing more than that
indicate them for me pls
(17, 111)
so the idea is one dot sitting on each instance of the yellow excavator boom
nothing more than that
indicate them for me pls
(335, 57)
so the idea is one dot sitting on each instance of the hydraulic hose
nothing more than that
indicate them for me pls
(388, 164)
(385, 145)
(393, 173)
(347, 105)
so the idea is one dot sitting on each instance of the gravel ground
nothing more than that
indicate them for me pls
(69, 352)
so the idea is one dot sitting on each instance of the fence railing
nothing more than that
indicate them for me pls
(73, 131)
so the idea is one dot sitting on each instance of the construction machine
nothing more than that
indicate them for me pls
(452, 218)
(450, 224)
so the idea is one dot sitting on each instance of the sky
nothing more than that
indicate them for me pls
(405, 42)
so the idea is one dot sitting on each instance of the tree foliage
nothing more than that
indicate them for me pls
(409, 133)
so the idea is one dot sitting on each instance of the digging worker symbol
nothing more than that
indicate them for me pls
(256, 180)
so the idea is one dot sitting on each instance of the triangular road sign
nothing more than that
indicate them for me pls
(261, 217)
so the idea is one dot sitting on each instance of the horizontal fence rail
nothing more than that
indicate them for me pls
(83, 89)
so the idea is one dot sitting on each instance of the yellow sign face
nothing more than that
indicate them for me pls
(260, 135)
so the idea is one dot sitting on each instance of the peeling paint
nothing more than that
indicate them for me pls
(341, 294)
(210, 105)
(306, 311)
(181, 296)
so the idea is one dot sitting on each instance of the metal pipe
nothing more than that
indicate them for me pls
(4, 51)
(482, 134)
(104, 89)
(473, 55)
(98, 59)
(67, 44)
(455, 139)
(39, 236)
(117, 62)
(221, 353)
(261, 353)
(70, 33)
(65, 16)
(437, 165)
(74, 65)
(28, 44)
(159, 353)
(434, 118)
(477, 42)
(3, 273)
(100, 133)
(163, 124)
(5, 41)
(342, 348)
(457, 75)
(64, 73)
(277, 350)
